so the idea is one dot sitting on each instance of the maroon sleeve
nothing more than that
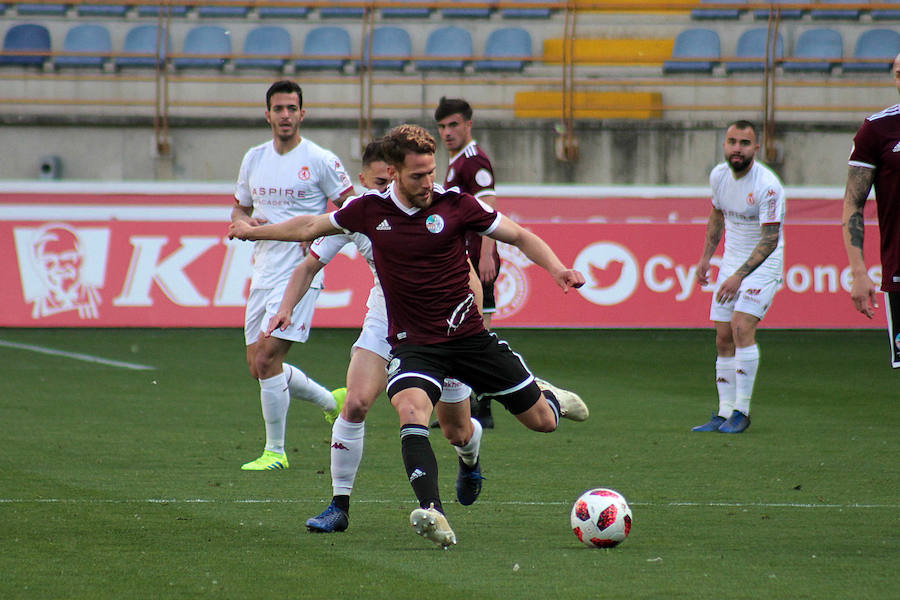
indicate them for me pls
(477, 215)
(352, 215)
(866, 147)
(477, 175)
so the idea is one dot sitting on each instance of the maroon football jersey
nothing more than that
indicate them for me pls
(877, 146)
(471, 171)
(420, 257)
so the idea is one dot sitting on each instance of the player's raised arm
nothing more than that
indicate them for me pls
(862, 292)
(538, 252)
(304, 228)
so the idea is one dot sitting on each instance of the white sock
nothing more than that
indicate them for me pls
(275, 400)
(347, 440)
(304, 388)
(746, 362)
(469, 452)
(725, 384)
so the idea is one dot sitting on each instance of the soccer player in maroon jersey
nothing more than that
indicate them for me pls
(471, 171)
(417, 230)
(875, 159)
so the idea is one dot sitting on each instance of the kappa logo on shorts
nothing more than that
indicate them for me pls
(393, 366)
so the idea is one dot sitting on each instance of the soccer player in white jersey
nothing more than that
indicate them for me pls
(748, 206)
(280, 179)
(367, 374)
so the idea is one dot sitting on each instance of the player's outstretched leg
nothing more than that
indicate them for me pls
(430, 523)
(340, 396)
(571, 406)
(332, 519)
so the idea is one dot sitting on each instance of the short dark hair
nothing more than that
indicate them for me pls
(285, 86)
(373, 152)
(406, 139)
(744, 124)
(452, 106)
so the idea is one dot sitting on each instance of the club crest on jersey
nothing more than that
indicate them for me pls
(304, 174)
(750, 199)
(434, 223)
(484, 178)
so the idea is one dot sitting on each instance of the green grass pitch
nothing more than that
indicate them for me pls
(122, 483)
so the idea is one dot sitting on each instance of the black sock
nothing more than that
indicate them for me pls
(342, 502)
(553, 402)
(421, 465)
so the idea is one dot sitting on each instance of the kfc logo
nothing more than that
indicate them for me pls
(62, 268)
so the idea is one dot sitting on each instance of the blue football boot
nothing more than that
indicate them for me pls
(712, 425)
(468, 483)
(736, 423)
(331, 520)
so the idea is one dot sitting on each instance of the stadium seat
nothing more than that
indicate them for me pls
(205, 39)
(341, 12)
(845, 14)
(406, 12)
(278, 12)
(694, 43)
(787, 13)
(816, 43)
(875, 43)
(466, 12)
(265, 41)
(152, 10)
(454, 43)
(718, 14)
(752, 44)
(511, 42)
(41, 9)
(26, 36)
(390, 42)
(102, 10)
(224, 12)
(86, 38)
(142, 39)
(525, 12)
(886, 14)
(327, 41)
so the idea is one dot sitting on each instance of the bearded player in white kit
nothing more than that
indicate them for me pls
(280, 179)
(748, 206)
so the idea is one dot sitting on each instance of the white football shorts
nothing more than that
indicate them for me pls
(373, 338)
(262, 305)
(754, 297)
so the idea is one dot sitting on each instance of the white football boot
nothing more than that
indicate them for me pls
(571, 406)
(432, 524)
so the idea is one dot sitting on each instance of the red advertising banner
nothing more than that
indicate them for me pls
(160, 258)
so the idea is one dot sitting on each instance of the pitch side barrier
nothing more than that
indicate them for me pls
(97, 254)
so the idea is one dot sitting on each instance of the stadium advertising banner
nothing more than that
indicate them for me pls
(100, 255)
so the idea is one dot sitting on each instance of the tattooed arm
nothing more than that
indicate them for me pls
(715, 228)
(862, 292)
(766, 245)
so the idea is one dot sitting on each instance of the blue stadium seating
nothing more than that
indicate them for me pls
(205, 39)
(826, 44)
(102, 10)
(846, 14)
(26, 36)
(152, 10)
(406, 12)
(466, 12)
(694, 43)
(718, 13)
(393, 42)
(225, 12)
(787, 13)
(525, 13)
(505, 42)
(279, 12)
(752, 44)
(886, 14)
(326, 41)
(341, 12)
(265, 40)
(452, 42)
(41, 9)
(86, 38)
(142, 39)
(875, 43)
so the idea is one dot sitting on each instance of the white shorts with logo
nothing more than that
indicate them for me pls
(754, 297)
(262, 305)
(373, 338)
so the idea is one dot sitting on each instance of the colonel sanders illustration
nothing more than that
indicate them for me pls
(58, 257)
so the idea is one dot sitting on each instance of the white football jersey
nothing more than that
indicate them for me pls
(280, 187)
(326, 248)
(748, 203)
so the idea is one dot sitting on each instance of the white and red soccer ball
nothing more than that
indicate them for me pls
(601, 518)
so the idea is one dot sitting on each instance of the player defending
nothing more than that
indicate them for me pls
(366, 375)
(875, 158)
(417, 230)
(471, 171)
(280, 179)
(748, 206)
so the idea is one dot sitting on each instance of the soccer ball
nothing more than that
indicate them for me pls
(601, 518)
